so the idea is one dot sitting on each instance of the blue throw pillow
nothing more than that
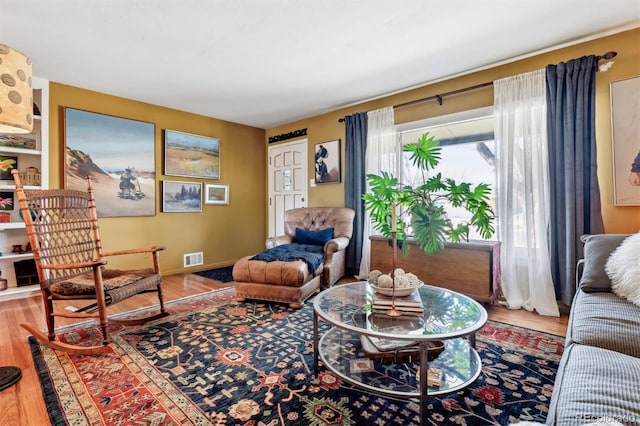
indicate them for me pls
(315, 238)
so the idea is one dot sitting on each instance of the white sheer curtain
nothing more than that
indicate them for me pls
(523, 192)
(381, 155)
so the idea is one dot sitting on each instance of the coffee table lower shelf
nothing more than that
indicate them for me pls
(459, 363)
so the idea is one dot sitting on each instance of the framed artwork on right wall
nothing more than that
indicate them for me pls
(625, 128)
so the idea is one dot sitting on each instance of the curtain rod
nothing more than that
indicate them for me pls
(440, 96)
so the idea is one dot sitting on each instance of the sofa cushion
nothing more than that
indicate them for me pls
(315, 238)
(623, 268)
(290, 274)
(597, 249)
(606, 321)
(595, 383)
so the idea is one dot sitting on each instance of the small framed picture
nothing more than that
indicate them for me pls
(181, 197)
(7, 164)
(15, 140)
(6, 200)
(327, 157)
(216, 194)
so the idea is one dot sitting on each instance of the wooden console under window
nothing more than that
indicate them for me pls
(471, 268)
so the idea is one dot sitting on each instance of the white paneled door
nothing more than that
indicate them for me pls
(287, 182)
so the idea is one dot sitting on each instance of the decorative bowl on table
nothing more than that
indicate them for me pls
(405, 283)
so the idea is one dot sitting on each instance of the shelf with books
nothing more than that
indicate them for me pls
(28, 153)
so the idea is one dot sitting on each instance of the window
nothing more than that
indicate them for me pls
(468, 152)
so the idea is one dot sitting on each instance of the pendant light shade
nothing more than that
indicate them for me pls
(16, 116)
(16, 93)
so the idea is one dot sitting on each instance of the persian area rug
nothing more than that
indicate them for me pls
(219, 362)
(224, 274)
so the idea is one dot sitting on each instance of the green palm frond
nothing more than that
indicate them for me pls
(426, 153)
(430, 226)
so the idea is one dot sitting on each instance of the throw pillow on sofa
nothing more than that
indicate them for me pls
(597, 249)
(314, 238)
(623, 268)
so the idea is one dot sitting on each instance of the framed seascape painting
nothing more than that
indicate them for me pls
(216, 194)
(181, 197)
(625, 128)
(118, 154)
(191, 155)
(327, 157)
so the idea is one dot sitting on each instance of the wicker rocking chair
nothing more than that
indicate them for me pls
(62, 226)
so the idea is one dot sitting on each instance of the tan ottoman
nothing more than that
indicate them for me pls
(277, 281)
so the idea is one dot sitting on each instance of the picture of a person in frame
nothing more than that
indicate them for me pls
(634, 177)
(327, 159)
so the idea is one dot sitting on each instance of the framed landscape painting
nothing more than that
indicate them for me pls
(216, 194)
(191, 155)
(18, 140)
(181, 197)
(118, 154)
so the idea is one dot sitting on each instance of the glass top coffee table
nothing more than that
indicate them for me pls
(374, 351)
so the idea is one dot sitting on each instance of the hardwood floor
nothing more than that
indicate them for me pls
(23, 404)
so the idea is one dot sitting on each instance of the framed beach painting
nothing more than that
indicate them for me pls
(181, 197)
(216, 194)
(118, 154)
(625, 128)
(191, 155)
(327, 158)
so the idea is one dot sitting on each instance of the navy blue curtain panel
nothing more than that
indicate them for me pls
(574, 191)
(355, 185)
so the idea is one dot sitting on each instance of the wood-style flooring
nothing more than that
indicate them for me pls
(23, 404)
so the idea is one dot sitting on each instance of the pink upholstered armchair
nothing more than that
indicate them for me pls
(320, 218)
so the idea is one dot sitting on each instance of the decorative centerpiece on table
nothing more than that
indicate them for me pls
(396, 297)
(401, 297)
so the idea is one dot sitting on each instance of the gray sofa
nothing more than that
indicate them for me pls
(599, 373)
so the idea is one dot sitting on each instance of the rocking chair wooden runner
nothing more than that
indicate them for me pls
(62, 226)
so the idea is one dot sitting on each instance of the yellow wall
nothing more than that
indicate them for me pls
(226, 233)
(223, 233)
(326, 127)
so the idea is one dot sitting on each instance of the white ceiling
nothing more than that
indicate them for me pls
(269, 62)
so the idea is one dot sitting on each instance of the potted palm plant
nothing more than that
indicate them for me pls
(394, 206)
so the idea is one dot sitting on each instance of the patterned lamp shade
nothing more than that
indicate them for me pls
(16, 94)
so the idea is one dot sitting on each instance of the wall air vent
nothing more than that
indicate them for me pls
(193, 259)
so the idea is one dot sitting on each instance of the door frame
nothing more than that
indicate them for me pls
(270, 195)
